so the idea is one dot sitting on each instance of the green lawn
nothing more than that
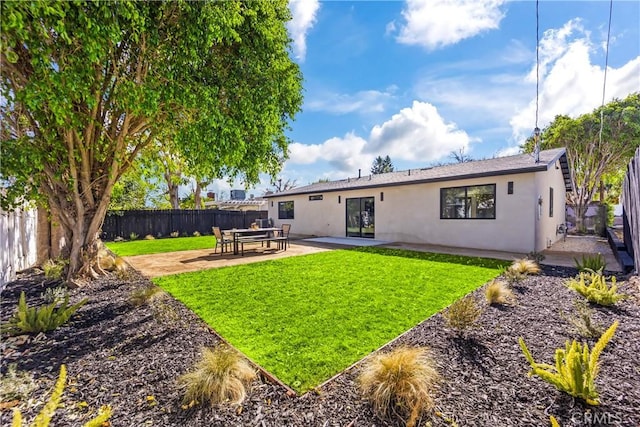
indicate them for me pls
(157, 246)
(306, 318)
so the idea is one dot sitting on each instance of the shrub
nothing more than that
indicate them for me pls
(145, 295)
(53, 268)
(553, 421)
(149, 237)
(15, 385)
(590, 262)
(43, 419)
(118, 239)
(593, 286)
(196, 234)
(462, 314)
(513, 276)
(219, 377)
(525, 266)
(399, 383)
(54, 295)
(576, 368)
(497, 292)
(174, 234)
(106, 260)
(133, 236)
(34, 320)
(536, 257)
(582, 321)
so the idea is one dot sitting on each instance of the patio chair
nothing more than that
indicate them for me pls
(283, 237)
(221, 240)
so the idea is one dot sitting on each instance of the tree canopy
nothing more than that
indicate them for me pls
(382, 165)
(87, 85)
(593, 159)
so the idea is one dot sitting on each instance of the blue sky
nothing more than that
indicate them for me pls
(418, 79)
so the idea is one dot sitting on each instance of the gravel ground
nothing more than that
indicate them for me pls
(129, 357)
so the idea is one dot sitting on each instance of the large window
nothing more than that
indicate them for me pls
(470, 202)
(285, 210)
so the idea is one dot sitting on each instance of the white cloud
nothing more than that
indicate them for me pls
(438, 23)
(343, 153)
(417, 133)
(366, 101)
(303, 18)
(570, 83)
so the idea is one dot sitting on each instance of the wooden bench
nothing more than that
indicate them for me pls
(260, 238)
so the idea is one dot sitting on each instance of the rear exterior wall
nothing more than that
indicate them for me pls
(411, 214)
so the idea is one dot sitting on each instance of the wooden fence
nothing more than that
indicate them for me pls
(631, 209)
(161, 223)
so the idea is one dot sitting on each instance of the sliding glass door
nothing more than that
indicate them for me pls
(361, 217)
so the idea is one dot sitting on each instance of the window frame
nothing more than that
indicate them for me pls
(466, 200)
(550, 202)
(286, 213)
(315, 197)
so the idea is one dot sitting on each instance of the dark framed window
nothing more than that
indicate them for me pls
(285, 210)
(510, 187)
(550, 202)
(469, 202)
(315, 197)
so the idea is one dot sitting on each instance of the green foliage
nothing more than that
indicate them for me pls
(54, 295)
(327, 289)
(220, 376)
(592, 162)
(53, 268)
(576, 368)
(215, 78)
(593, 286)
(497, 292)
(553, 421)
(15, 385)
(382, 165)
(462, 314)
(174, 234)
(133, 236)
(43, 419)
(583, 322)
(588, 262)
(399, 383)
(34, 320)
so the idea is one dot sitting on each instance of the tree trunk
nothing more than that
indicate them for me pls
(197, 199)
(580, 211)
(173, 195)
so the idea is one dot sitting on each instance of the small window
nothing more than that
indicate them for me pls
(285, 210)
(470, 202)
(382, 196)
(510, 187)
(550, 202)
(315, 197)
(339, 199)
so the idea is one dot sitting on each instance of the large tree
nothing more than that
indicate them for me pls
(594, 158)
(87, 85)
(382, 165)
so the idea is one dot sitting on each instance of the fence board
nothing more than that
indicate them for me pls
(17, 242)
(161, 223)
(631, 206)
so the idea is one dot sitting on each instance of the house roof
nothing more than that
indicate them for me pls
(520, 163)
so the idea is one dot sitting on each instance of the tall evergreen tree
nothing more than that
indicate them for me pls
(382, 165)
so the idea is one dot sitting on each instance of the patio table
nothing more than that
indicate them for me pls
(239, 232)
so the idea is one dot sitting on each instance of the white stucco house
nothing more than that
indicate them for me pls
(507, 204)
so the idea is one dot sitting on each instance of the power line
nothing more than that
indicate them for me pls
(606, 65)
(536, 130)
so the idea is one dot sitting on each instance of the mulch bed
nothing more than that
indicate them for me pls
(130, 357)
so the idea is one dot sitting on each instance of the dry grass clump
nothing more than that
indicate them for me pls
(462, 314)
(400, 383)
(146, 295)
(219, 377)
(149, 237)
(525, 266)
(498, 292)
